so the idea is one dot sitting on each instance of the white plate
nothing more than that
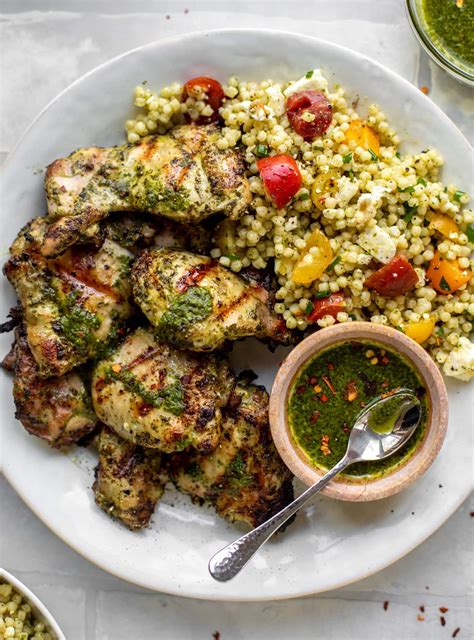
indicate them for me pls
(331, 543)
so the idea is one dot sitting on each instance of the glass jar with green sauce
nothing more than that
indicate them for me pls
(445, 29)
(330, 391)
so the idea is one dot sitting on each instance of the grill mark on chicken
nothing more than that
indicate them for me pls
(195, 275)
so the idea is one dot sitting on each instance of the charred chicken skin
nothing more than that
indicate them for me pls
(156, 396)
(181, 175)
(57, 409)
(73, 305)
(194, 303)
(244, 478)
(128, 483)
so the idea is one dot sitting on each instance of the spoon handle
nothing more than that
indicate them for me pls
(227, 562)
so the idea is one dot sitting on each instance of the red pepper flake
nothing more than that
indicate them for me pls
(330, 366)
(324, 398)
(420, 618)
(345, 427)
(329, 384)
(301, 389)
(442, 619)
(390, 393)
(385, 605)
(313, 381)
(455, 632)
(422, 608)
(315, 416)
(384, 384)
(385, 360)
(444, 609)
(424, 89)
(351, 392)
(325, 445)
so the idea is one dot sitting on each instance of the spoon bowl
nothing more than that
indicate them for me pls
(368, 444)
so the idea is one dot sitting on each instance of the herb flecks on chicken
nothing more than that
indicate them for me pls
(244, 478)
(73, 305)
(57, 409)
(154, 395)
(181, 175)
(196, 304)
(128, 483)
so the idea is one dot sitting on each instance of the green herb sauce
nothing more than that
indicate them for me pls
(451, 28)
(170, 398)
(77, 324)
(193, 305)
(358, 372)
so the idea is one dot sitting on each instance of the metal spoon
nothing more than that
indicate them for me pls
(364, 445)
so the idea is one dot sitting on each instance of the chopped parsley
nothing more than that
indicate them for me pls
(409, 189)
(304, 196)
(322, 294)
(397, 155)
(309, 74)
(336, 260)
(410, 212)
(309, 307)
(347, 158)
(261, 151)
(422, 181)
(470, 233)
(373, 155)
(444, 284)
(458, 195)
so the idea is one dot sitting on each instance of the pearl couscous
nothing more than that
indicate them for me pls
(17, 621)
(370, 201)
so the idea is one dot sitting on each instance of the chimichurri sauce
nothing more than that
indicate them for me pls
(450, 25)
(331, 390)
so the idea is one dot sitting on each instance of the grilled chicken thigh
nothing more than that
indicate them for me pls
(128, 483)
(196, 304)
(181, 175)
(244, 478)
(58, 409)
(73, 305)
(156, 396)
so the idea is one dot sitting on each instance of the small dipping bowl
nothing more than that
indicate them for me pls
(40, 612)
(360, 488)
(433, 45)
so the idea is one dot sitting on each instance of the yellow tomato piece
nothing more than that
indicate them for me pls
(324, 186)
(420, 331)
(444, 224)
(313, 260)
(363, 135)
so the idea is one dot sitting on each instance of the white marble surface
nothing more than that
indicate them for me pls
(45, 45)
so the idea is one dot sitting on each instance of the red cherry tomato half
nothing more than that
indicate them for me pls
(329, 306)
(208, 90)
(281, 178)
(393, 279)
(309, 113)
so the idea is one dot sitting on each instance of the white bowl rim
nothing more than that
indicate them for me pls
(442, 518)
(34, 601)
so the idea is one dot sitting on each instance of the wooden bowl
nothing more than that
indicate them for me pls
(363, 489)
